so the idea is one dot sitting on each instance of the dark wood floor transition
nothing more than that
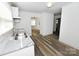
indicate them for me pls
(50, 46)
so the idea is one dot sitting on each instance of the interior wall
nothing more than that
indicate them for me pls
(46, 23)
(26, 20)
(69, 31)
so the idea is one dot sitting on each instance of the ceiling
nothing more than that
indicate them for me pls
(40, 6)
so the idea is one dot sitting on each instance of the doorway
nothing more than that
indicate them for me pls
(58, 26)
(57, 22)
(35, 25)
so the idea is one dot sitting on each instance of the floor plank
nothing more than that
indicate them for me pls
(50, 46)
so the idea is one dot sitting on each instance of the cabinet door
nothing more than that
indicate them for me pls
(6, 23)
(14, 12)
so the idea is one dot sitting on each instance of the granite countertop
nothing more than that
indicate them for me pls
(13, 45)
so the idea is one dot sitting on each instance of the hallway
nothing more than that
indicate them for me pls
(50, 46)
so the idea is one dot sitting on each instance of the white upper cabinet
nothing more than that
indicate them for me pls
(6, 23)
(15, 12)
(5, 11)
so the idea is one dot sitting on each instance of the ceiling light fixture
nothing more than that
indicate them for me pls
(49, 4)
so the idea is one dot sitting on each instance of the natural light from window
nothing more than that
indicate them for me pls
(33, 22)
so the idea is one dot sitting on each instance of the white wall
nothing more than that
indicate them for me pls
(46, 23)
(45, 20)
(26, 20)
(6, 23)
(69, 31)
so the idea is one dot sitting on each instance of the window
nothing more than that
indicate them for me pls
(33, 22)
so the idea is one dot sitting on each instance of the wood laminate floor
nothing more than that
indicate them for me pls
(50, 46)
